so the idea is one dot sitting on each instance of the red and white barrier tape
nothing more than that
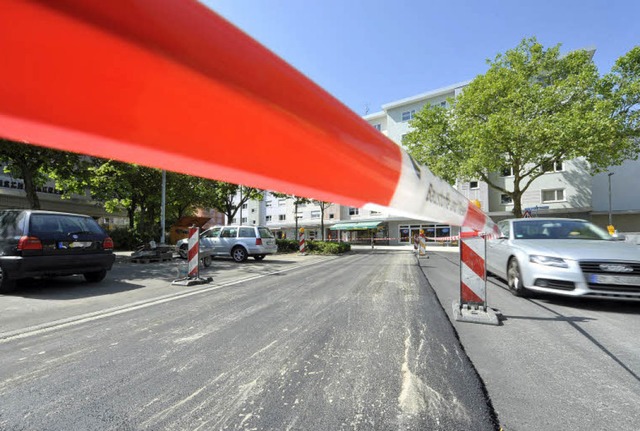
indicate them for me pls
(178, 66)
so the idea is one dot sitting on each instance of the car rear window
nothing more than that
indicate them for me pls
(265, 232)
(63, 224)
(11, 223)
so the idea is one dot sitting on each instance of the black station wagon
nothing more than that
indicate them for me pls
(37, 243)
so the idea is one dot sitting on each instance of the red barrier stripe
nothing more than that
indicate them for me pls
(471, 259)
(467, 295)
(170, 84)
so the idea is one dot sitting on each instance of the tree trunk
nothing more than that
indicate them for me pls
(30, 187)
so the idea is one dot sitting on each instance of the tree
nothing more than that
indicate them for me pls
(323, 206)
(37, 165)
(186, 193)
(224, 198)
(133, 188)
(532, 108)
(297, 201)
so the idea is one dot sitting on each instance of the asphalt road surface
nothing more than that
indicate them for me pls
(554, 363)
(358, 342)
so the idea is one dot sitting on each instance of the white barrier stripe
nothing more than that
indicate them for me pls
(471, 279)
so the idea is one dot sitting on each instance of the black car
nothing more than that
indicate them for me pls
(36, 243)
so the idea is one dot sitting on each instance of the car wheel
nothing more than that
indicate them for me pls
(514, 278)
(206, 261)
(94, 277)
(6, 285)
(182, 251)
(239, 254)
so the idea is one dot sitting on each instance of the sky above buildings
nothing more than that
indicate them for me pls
(368, 53)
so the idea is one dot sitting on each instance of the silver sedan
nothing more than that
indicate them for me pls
(568, 257)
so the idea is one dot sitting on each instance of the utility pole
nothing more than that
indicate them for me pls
(610, 218)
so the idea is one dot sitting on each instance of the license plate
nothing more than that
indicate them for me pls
(80, 244)
(626, 280)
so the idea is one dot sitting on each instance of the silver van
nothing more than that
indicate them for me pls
(239, 242)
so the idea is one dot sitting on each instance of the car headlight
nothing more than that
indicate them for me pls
(548, 261)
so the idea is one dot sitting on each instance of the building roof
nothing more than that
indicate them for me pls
(423, 96)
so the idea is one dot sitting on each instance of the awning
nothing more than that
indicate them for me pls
(356, 226)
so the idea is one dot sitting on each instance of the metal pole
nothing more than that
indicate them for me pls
(240, 206)
(610, 221)
(162, 207)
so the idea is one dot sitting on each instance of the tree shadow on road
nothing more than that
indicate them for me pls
(69, 287)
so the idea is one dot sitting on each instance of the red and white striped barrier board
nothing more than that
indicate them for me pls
(178, 66)
(473, 275)
(303, 247)
(193, 255)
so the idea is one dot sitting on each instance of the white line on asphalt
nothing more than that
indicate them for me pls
(89, 317)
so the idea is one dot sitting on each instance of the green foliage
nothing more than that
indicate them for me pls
(323, 247)
(287, 245)
(36, 165)
(531, 108)
(315, 247)
(125, 239)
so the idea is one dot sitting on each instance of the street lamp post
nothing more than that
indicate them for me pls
(610, 220)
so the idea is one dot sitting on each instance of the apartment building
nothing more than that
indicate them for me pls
(567, 189)
(12, 195)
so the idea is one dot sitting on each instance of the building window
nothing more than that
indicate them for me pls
(267, 204)
(473, 184)
(443, 104)
(244, 206)
(378, 127)
(408, 115)
(505, 199)
(553, 166)
(554, 195)
(282, 202)
(331, 215)
(253, 210)
(315, 214)
(244, 219)
(268, 218)
(353, 211)
(506, 172)
(282, 217)
(375, 212)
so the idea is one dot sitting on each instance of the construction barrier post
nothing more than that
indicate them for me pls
(193, 261)
(422, 245)
(472, 306)
(303, 247)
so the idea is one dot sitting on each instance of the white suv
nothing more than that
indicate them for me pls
(239, 242)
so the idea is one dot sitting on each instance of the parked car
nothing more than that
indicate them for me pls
(46, 243)
(239, 242)
(568, 257)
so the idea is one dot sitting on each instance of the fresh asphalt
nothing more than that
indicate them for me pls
(294, 342)
(554, 363)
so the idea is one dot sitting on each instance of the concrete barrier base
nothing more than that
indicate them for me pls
(483, 315)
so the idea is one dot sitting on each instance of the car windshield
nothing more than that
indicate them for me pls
(557, 229)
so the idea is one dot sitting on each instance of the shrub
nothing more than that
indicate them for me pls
(287, 245)
(125, 238)
(322, 247)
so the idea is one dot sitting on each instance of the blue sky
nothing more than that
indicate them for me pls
(368, 53)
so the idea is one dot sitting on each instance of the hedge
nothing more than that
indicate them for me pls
(316, 247)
